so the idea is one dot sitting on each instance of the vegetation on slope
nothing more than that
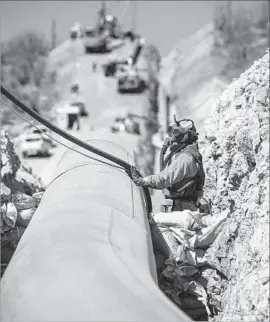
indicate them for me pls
(25, 72)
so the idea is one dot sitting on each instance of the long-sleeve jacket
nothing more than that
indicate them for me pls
(184, 166)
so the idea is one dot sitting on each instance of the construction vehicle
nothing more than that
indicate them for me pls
(131, 83)
(114, 65)
(97, 37)
(76, 31)
(130, 80)
(95, 40)
(125, 124)
(111, 67)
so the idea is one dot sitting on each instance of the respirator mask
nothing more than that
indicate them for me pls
(182, 131)
(180, 134)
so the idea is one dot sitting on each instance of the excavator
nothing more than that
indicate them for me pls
(96, 37)
(107, 28)
(130, 80)
(111, 67)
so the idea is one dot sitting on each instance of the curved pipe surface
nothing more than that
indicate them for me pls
(73, 139)
(87, 253)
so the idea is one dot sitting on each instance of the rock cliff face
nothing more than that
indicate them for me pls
(237, 178)
(191, 76)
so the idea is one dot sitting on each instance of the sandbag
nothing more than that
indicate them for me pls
(186, 270)
(181, 219)
(185, 219)
(190, 302)
(5, 193)
(208, 238)
(195, 257)
(25, 216)
(170, 239)
(194, 288)
(158, 239)
(16, 234)
(27, 213)
(10, 216)
(38, 196)
(3, 210)
(197, 313)
(22, 201)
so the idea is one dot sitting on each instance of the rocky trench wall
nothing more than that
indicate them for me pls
(236, 161)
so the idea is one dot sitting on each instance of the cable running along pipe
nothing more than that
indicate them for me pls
(126, 166)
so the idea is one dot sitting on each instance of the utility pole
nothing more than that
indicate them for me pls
(54, 35)
(229, 14)
(102, 15)
(133, 16)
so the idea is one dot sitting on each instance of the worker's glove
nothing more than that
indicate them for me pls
(136, 177)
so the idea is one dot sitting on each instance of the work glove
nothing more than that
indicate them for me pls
(136, 177)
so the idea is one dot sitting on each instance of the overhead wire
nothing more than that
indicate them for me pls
(59, 142)
(123, 165)
(124, 14)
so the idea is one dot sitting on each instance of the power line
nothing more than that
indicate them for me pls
(59, 142)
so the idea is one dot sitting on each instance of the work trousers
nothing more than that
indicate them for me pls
(72, 119)
(180, 205)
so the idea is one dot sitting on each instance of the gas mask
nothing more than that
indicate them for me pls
(182, 131)
(180, 134)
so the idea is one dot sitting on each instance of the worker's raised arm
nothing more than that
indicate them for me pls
(181, 169)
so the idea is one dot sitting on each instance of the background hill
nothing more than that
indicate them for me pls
(199, 68)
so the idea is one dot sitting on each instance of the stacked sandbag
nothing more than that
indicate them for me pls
(185, 274)
(17, 211)
(21, 192)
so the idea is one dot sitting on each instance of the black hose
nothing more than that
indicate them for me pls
(126, 166)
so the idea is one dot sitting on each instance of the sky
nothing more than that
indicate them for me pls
(163, 23)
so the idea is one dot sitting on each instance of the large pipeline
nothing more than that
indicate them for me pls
(87, 253)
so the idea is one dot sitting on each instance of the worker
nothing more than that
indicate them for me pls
(182, 174)
(74, 88)
(73, 113)
(94, 66)
(129, 124)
